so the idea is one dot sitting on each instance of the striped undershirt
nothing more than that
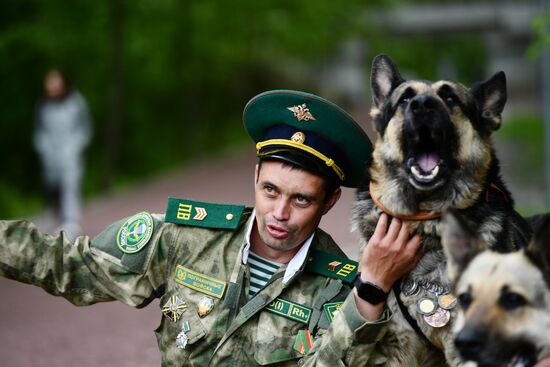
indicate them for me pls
(261, 270)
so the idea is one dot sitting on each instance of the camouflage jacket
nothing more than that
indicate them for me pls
(181, 264)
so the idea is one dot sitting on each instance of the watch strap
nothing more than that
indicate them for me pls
(368, 291)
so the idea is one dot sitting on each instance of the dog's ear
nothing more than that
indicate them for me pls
(459, 243)
(384, 78)
(539, 247)
(491, 98)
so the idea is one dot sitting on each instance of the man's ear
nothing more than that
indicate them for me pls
(256, 174)
(490, 95)
(385, 77)
(459, 244)
(333, 199)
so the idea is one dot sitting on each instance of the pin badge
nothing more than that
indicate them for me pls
(333, 265)
(182, 338)
(205, 306)
(426, 306)
(174, 308)
(446, 301)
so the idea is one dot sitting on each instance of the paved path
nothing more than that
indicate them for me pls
(38, 330)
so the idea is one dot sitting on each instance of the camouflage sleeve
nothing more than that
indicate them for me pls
(351, 340)
(84, 271)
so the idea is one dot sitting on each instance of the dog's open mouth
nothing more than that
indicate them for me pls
(426, 170)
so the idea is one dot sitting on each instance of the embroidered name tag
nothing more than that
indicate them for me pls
(199, 282)
(290, 310)
(331, 309)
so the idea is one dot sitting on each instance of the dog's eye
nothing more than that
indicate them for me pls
(465, 300)
(405, 99)
(511, 300)
(450, 101)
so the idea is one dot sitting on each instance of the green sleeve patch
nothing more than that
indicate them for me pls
(129, 240)
(135, 233)
(332, 266)
(200, 214)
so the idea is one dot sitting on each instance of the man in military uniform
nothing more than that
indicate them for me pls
(237, 286)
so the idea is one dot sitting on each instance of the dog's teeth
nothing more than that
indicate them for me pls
(434, 173)
(416, 172)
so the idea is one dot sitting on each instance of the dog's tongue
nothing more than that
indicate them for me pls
(427, 161)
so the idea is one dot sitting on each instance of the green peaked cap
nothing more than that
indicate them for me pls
(311, 128)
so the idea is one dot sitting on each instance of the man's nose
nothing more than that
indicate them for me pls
(281, 210)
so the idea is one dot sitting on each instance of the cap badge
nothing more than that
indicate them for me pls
(298, 137)
(301, 112)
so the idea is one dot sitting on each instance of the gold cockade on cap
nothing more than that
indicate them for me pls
(301, 112)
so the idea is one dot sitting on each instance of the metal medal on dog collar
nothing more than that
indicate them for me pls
(182, 338)
(446, 301)
(426, 306)
(409, 287)
(439, 318)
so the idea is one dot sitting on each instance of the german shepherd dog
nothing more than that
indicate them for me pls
(433, 152)
(504, 299)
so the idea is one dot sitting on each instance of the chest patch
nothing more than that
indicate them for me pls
(290, 310)
(199, 282)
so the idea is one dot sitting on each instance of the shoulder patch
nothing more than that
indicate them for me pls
(135, 233)
(331, 309)
(332, 266)
(200, 214)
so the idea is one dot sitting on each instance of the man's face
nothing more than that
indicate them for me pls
(289, 204)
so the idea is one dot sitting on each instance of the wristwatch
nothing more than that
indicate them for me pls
(369, 292)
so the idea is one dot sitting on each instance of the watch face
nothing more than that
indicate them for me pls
(370, 292)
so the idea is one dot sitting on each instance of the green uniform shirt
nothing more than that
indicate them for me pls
(188, 263)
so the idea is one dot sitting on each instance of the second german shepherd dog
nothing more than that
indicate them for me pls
(504, 299)
(433, 152)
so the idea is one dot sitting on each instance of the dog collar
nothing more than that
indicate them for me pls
(425, 214)
(420, 215)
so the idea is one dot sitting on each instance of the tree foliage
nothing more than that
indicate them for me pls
(185, 71)
(166, 80)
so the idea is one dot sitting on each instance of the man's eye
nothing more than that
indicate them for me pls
(302, 200)
(269, 190)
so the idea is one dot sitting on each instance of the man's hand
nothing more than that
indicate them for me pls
(389, 255)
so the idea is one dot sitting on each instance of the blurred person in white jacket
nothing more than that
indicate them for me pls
(62, 133)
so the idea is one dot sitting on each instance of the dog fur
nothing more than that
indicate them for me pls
(504, 299)
(433, 152)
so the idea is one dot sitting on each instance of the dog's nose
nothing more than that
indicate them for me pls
(423, 105)
(469, 342)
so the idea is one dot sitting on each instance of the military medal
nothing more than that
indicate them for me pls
(439, 318)
(182, 338)
(446, 301)
(205, 306)
(426, 306)
(174, 308)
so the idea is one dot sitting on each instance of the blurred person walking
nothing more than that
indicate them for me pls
(62, 133)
